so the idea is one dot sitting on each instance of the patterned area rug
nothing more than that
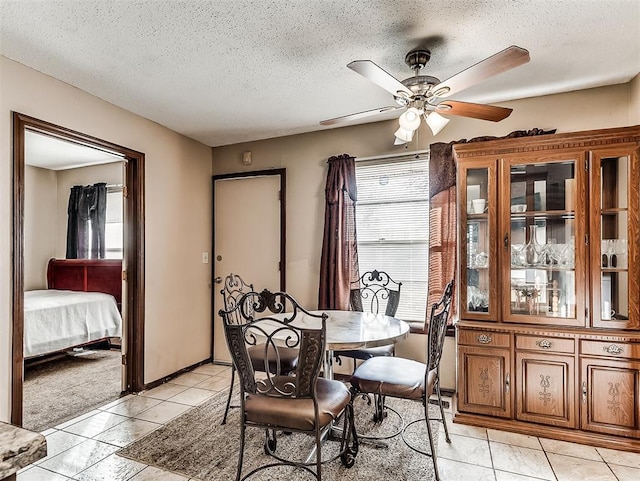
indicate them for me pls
(196, 445)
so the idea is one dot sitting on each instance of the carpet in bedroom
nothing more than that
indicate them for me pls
(62, 388)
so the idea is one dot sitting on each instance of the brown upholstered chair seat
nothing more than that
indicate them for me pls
(288, 358)
(368, 353)
(297, 414)
(393, 376)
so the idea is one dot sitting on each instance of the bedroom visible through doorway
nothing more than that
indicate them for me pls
(78, 292)
(72, 338)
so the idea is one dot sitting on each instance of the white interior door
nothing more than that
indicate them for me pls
(246, 240)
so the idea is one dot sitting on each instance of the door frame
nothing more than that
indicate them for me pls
(282, 173)
(133, 252)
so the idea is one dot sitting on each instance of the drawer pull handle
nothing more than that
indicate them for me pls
(613, 349)
(584, 392)
(484, 339)
(544, 344)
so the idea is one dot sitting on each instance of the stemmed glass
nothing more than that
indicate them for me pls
(608, 249)
(620, 251)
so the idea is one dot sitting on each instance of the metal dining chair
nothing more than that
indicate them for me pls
(298, 403)
(233, 289)
(408, 379)
(376, 292)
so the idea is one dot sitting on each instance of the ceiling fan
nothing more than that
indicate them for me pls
(426, 96)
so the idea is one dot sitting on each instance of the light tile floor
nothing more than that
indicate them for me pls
(83, 449)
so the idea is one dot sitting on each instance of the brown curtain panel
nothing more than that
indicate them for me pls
(443, 222)
(339, 261)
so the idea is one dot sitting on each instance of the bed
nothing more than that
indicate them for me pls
(81, 306)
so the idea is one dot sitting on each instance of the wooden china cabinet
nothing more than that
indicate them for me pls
(548, 341)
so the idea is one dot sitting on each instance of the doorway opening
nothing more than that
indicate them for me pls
(132, 264)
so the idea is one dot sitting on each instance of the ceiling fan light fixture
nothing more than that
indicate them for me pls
(410, 120)
(403, 135)
(436, 122)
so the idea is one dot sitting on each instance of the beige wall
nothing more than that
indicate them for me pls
(177, 217)
(634, 103)
(304, 156)
(40, 225)
(111, 174)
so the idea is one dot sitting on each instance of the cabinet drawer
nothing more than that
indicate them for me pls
(483, 338)
(625, 350)
(545, 344)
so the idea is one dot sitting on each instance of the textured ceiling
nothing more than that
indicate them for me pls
(224, 72)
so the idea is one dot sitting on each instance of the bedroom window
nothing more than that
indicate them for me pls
(114, 223)
(392, 225)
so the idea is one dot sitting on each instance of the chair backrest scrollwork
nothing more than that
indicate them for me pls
(375, 292)
(233, 289)
(263, 322)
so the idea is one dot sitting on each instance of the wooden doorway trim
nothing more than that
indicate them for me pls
(133, 248)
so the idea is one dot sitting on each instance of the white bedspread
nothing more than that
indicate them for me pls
(56, 320)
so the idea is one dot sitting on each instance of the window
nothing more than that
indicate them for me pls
(114, 224)
(392, 226)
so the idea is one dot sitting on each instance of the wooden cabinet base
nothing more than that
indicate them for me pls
(570, 435)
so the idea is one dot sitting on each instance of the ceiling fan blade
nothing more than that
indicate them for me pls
(507, 59)
(359, 115)
(378, 76)
(476, 111)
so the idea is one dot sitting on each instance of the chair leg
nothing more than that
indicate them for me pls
(349, 445)
(431, 445)
(379, 413)
(241, 455)
(318, 455)
(270, 441)
(444, 420)
(226, 409)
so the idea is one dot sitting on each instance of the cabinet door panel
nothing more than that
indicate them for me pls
(484, 384)
(615, 241)
(479, 222)
(611, 397)
(543, 205)
(545, 389)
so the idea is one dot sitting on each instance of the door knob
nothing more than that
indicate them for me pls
(218, 280)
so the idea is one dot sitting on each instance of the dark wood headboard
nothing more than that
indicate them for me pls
(88, 275)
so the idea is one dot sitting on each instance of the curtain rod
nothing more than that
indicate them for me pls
(392, 156)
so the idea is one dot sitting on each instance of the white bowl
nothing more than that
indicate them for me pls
(518, 208)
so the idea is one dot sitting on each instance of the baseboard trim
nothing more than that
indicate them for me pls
(174, 375)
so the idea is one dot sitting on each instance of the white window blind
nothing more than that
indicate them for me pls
(114, 224)
(392, 222)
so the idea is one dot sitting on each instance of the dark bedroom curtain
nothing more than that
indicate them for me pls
(339, 261)
(86, 221)
(443, 220)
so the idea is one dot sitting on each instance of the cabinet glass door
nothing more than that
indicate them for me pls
(614, 247)
(540, 243)
(478, 251)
